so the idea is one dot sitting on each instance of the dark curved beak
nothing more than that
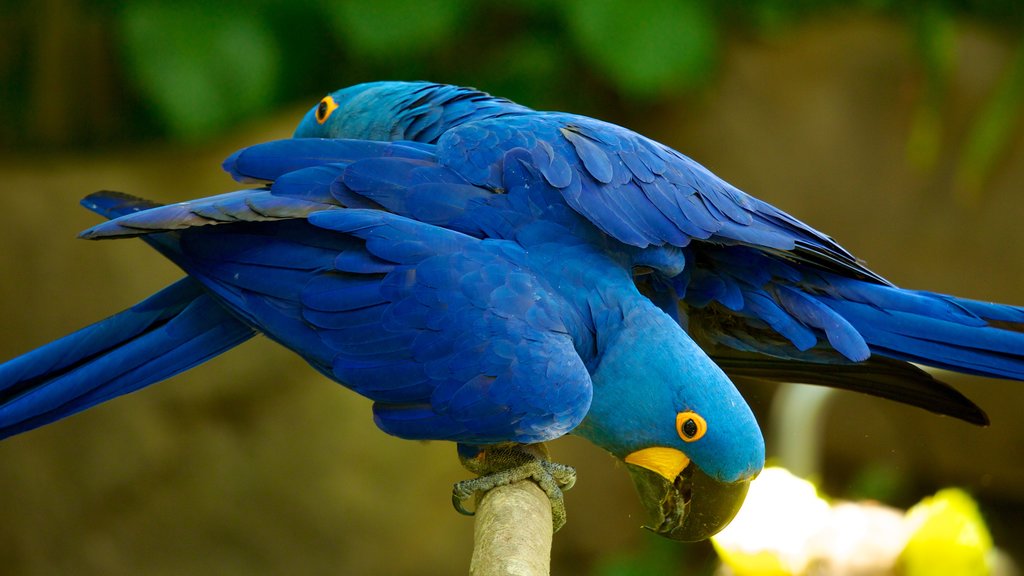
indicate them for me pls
(691, 506)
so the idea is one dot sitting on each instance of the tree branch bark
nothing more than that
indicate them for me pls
(512, 535)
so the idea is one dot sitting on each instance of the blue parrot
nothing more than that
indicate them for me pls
(500, 277)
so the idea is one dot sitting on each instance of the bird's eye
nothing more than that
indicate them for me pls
(325, 108)
(690, 426)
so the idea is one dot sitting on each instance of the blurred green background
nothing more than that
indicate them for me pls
(894, 126)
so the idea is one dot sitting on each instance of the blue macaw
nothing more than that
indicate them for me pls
(500, 277)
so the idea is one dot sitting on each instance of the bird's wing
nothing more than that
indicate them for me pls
(636, 190)
(452, 337)
(744, 299)
(297, 177)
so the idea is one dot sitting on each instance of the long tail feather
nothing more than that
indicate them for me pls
(878, 376)
(169, 332)
(937, 330)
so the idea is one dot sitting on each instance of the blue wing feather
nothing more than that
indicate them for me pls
(420, 316)
(814, 314)
(271, 160)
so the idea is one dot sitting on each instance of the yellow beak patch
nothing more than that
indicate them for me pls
(668, 462)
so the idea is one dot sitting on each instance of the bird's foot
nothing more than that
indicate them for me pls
(504, 464)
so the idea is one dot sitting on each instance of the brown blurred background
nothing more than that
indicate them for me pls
(896, 130)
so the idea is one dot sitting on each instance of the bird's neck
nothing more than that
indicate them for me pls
(646, 360)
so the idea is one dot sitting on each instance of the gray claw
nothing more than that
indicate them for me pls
(503, 465)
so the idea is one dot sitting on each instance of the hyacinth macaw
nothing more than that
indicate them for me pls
(500, 277)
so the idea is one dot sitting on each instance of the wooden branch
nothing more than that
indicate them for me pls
(513, 532)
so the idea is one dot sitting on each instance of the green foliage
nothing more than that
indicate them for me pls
(658, 556)
(935, 39)
(646, 47)
(385, 29)
(200, 74)
(991, 133)
(880, 482)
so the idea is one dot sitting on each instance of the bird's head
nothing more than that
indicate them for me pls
(389, 111)
(688, 439)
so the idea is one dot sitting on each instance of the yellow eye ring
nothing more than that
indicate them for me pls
(324, 109)
(690, 426)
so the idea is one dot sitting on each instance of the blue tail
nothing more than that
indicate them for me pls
(764, 317)
(173, 330)
(935, 329)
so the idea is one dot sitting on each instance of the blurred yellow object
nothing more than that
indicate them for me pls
(947, 536)
(786, 529)
(769, 535)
